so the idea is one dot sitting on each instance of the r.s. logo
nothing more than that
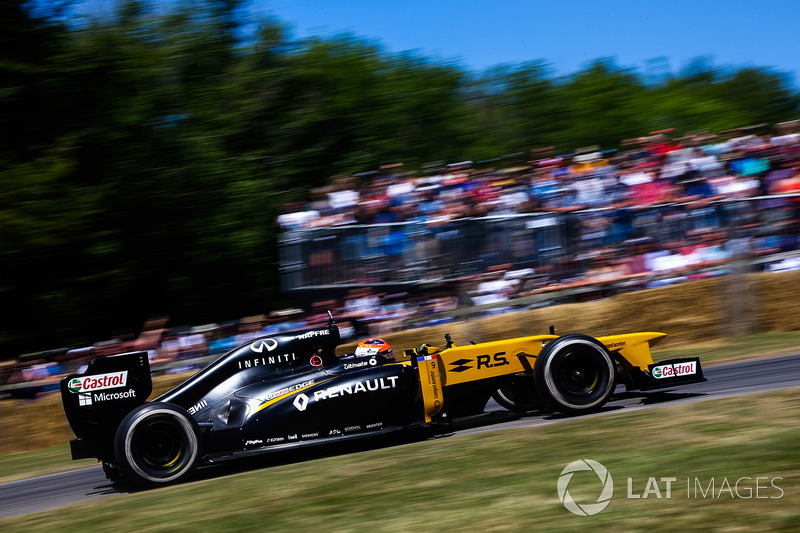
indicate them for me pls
(482, 361)
(498, 359)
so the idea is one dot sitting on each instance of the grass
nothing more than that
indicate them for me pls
(737, 349)
(501, 481)
(38, 463)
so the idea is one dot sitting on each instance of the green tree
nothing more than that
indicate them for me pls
(144, 156)
(515, 108)
(603, 104)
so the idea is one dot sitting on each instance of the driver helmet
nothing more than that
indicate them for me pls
(375, 346)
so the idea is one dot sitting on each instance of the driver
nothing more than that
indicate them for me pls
(375, 346)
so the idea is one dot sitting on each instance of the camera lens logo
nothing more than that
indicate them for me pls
(586, 509)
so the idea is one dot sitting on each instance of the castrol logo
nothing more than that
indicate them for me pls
(675, 370)
(99, 382)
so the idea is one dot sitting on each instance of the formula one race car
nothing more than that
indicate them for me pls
(291, 390)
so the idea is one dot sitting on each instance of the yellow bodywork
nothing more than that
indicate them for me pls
(634, 347)
(472, 362)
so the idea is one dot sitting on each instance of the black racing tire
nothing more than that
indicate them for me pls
(574, 374)
(518, 394)
(157, 443)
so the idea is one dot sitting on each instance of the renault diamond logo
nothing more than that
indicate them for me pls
(461, 365)
(301, 402)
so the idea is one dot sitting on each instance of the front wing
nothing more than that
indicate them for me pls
(672, 372)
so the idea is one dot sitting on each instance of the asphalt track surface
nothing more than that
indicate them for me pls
(734, 379)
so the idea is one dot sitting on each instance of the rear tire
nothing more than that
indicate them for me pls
(518, 394)
(157, 443)
(574, 374)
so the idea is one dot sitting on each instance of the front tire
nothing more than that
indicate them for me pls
(574, 374)
(157, 443)
(518, 394)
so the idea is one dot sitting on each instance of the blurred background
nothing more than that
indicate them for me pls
(180, 177)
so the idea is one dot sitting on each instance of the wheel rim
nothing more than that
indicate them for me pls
(160, 444)
(580, 375)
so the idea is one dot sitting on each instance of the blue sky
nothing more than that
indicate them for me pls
(564, 33)
(651, 36)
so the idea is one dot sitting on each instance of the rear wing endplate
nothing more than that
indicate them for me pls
(96, 401)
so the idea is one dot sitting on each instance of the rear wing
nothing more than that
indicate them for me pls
(96, 401)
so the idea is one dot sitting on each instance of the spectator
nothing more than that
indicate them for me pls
(789, 183)
(294, 217)
(361, 303)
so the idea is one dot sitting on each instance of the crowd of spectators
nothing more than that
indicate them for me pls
(659, 211)
(693, 172)
(656, 170)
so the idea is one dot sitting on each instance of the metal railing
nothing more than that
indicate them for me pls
(563, 243)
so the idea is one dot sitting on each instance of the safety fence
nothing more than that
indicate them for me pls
(563, 243)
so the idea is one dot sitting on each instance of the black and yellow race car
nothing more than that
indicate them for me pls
(292, 390)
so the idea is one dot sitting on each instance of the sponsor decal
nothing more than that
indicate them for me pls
(99, 382)
(374, 425)
(613, 345)
(89, 398)
(301, 402)
(287, 390)
(198, 406)
(482, 361)
(276, 439)
(292, 437)
(334, 432)
(434, 382)
(107, 396)
(498, 359)
(368, 385)
(675, 370)
(309, 435)
(269, 344)
(264, 361)
(351, 429)
(460, 365)
(254, 442)
(312, 334)
(316, 361)
(372, 362)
